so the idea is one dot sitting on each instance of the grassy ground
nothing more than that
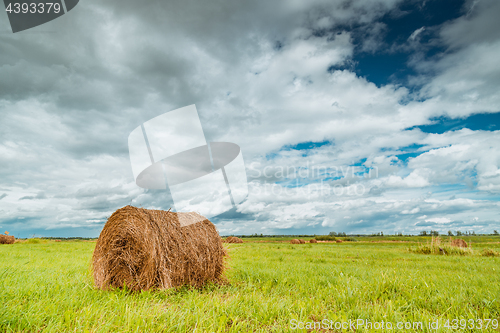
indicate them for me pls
(370, 239)
(273, 287)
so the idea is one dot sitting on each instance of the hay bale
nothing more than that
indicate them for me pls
(313, 241)
(232, 239)
(5, 239)
(302, 241)
(57, 240)
(458, 242)
(148, 249)
(294, 241)
(338, 240)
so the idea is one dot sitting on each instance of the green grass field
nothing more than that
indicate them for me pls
(273, 287)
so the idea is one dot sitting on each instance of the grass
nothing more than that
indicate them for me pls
(35, 241)
(438, 246)
(46, 287)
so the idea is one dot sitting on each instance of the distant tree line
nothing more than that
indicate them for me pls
(332, 234)
(65, 238)
(378, 234)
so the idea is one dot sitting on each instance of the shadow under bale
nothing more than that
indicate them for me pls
(148, 249)
(4, 239)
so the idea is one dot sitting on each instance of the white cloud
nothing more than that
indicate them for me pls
(328, 223)
(416, 33)
(412, 180)
(260, 80)
(438, 220)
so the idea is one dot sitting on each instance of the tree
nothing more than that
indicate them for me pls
(434, 233)
(495, 232)
(459, 233)
(423, 233)
(450, 233)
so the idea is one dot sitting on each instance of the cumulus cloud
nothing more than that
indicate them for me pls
(266, 76)
(438, 220)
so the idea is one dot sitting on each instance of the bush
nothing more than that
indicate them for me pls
(325, 238)
(34, 241)
(490, 253)
(350, 239)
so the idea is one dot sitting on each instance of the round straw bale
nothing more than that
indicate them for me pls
(232, 239)
(313, 241)
(294, 241)
(458, 242)
(4, 239)
(148, 249)
(302, 241)
(338, 240)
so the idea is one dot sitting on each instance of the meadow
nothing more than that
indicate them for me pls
(273, 286)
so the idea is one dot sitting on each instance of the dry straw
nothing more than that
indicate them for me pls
(232, 239)
(313, 241)
(148, 249)
(5, 239)
(295, 241)
(458, 242)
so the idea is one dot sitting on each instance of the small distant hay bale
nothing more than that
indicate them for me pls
(295, 241)
(313, 241)
(57, 240)
(302, 241)
(338, 241)
(146, 249)
(232, 239)
(458, 242)
(5, 239)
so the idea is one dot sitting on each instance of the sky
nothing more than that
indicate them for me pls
(358, 116)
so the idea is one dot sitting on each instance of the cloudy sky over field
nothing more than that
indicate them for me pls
(353, 116)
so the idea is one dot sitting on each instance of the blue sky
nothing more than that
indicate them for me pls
(391, 65)
(352, 116)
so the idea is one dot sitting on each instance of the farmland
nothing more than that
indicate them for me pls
(272, 286)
